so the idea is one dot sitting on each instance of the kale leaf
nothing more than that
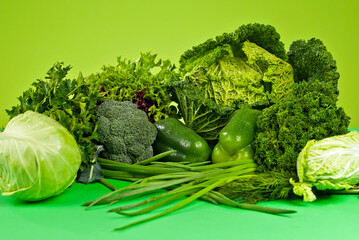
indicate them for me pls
(310, 111)
(310, 59)
(199, 113)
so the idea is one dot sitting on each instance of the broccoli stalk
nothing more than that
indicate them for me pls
(125, 132)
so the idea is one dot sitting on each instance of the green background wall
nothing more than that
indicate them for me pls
(88, 34)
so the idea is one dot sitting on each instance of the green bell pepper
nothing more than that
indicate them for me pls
(172, 134)
(236, 137)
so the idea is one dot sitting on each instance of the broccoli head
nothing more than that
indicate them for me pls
(125, 132)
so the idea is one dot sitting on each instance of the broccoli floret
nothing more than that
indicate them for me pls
(125, 132)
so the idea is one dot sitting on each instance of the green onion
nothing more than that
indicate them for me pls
(192, 181)
(156, 157)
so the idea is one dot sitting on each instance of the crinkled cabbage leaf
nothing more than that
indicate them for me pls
(328, 164)
(39, 158)
(252, 76)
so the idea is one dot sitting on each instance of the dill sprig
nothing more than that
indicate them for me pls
(260, 187)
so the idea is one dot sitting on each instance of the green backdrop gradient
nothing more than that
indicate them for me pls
(88, 34)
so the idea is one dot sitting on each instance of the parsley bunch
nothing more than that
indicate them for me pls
(71, 102)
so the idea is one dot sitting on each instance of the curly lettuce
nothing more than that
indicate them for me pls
(142, 81)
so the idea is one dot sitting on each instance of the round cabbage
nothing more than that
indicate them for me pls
(39, 158)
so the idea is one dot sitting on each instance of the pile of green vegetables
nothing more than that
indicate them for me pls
(240, 121)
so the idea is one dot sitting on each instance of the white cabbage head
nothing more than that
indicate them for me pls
(331, 163)
(39, 158)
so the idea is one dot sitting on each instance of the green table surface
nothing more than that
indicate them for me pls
(63, 217)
